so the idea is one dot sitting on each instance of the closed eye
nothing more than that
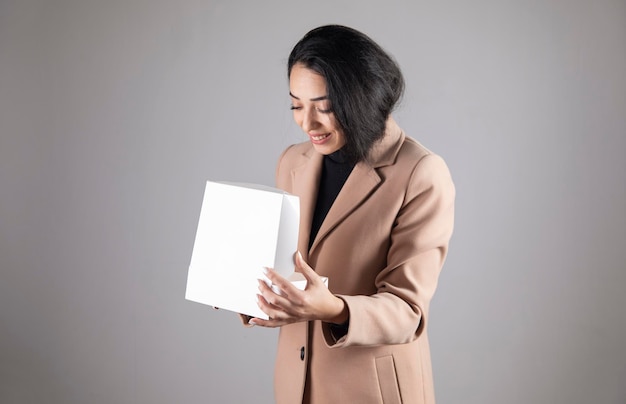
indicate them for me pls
(320, 110)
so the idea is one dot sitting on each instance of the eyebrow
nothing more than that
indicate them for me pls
(321, 98)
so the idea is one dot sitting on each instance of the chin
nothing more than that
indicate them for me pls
(326, 149)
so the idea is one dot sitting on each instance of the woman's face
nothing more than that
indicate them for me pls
(312, 110)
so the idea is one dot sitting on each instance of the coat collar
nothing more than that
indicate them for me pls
(363, 180)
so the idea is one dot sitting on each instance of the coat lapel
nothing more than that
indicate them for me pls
(361, 183)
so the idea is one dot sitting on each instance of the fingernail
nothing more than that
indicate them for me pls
(300, 256)
(265, 271)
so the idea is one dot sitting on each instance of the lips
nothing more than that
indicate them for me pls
(319, 138)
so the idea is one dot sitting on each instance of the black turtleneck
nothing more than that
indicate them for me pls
(335, 172)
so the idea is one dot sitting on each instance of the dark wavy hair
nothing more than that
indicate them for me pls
(363, 81)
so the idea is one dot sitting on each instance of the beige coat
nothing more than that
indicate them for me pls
(382, 246)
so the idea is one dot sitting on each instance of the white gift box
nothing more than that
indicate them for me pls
(242, 229)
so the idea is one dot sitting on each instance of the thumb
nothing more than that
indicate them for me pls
(306, 270)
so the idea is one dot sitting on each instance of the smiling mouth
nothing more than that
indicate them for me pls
(317, 138)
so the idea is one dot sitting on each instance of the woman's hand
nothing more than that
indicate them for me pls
(292, 305)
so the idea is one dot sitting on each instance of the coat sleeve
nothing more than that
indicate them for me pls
(397, 312)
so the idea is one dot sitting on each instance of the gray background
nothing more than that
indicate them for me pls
(113, 114)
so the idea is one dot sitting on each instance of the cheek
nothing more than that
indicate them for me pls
(341, 138)
(297, 118)
(332, 123)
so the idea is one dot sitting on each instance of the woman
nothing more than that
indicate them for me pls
(376, 219)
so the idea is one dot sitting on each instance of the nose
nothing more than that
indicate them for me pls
(309, 121)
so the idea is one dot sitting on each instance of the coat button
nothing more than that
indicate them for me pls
(302, 353)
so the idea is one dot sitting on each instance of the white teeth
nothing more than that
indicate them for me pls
(319, 137)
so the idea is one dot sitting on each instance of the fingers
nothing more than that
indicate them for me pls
(276, 306)
(269, 301)
(311, 276)
(277, 317)
(285, 287)
(283, 302)
(271, 323)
